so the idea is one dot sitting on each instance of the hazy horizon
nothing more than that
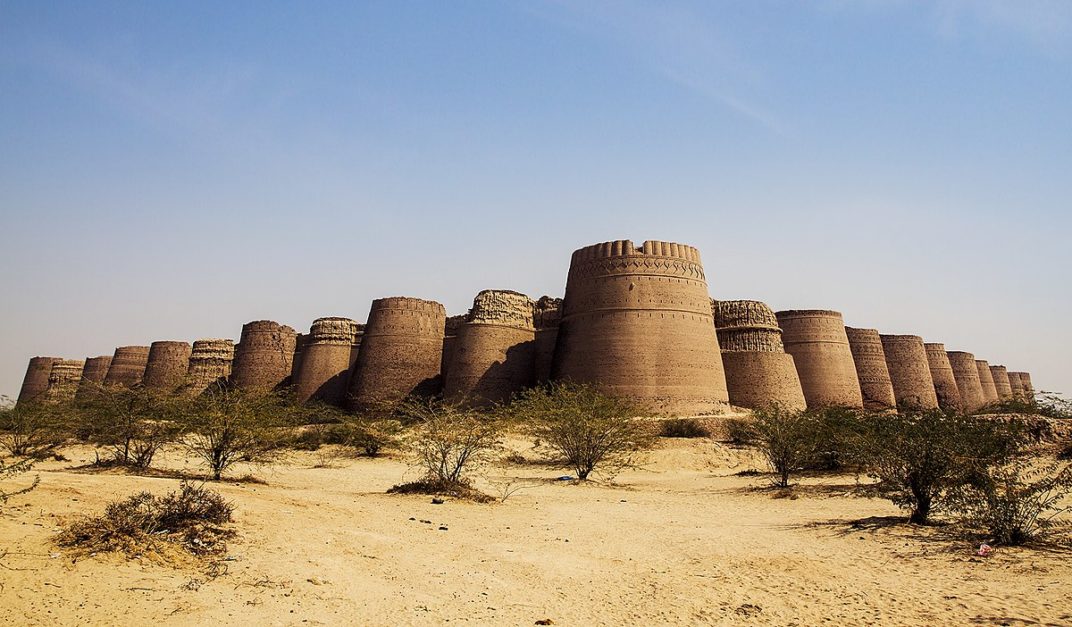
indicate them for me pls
(173, 172)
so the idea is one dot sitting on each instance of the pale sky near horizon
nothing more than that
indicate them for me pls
(174, 171)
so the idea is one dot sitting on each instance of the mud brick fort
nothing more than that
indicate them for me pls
(637, 322)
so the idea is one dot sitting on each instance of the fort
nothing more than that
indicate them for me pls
(636, 322)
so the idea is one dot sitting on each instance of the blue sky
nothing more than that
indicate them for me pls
(171, 172)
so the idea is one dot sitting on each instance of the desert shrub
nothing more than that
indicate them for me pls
(1015, 501)
(740, 432)
(583, 428)
(448, 443)
(787, 438)
(226, 426)
(837, 431)
(133, 423)
(11, 469)
(33, 429)
(683, 428)
(919, 458)
(371, 435)
(190, 517)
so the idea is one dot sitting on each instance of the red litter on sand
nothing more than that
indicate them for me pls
(984, 550)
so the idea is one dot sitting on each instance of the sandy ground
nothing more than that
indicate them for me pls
(683, 540)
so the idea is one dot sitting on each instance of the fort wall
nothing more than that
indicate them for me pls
(63, 380)
(323, 372)
(264, 358)
(871, 370)
(167, 365)
(401, 351)
(210, 364)
(986, 379)
(906, 359)
(759, 374)
(93, 374)
(945, 384)
(637, 323)
(966, 374)
(820, 348)
(35, 381)
(494, 354)
(128, 366)
(1001, 382)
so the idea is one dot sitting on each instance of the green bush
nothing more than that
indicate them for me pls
(683, 428)
(919, 458)
(583, 428)
(1015, 501)
(788, 439)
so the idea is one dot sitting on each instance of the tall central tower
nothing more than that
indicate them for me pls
(637, 323)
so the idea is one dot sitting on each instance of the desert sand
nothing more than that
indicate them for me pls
(682, 540)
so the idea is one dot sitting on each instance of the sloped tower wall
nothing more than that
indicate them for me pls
(966, 374)
(871, 369)
(759, 374)
(210, 364)
(450, 336)
(93, 374)
(1029, 388)
(128, 366)
(636, 322)
(35, 381)
(167, 365)
(906, 358)
(986, 379)
(547, 316)
(264, 357)
(945, 384)
(820, 348)
(494, 354)
(1001, 382)
(1016, 385)
(325, 364)
(401, 351)
(63, 380)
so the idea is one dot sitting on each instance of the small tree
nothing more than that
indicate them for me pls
(584, 428)
(448, 442)
(1015, 501)
(33, 429)
(134, 423)
(788, 439)
(225, 426)
(919, 458)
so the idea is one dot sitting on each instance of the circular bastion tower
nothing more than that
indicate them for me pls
(264, 357)
(966, 374)
(871, 369)
(167, 365)
(906, 358)
(401, 351)
(63, 380)
(1017, 385)
(210, 364)
(759, 373)
(326, 358)
(35, 382)
(637, 323)
(493, 355)
(986, 379)
(945, 383)
(1029, 390)
(1001, 382)
(817, 341)
(93, 374)
(128, 366)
